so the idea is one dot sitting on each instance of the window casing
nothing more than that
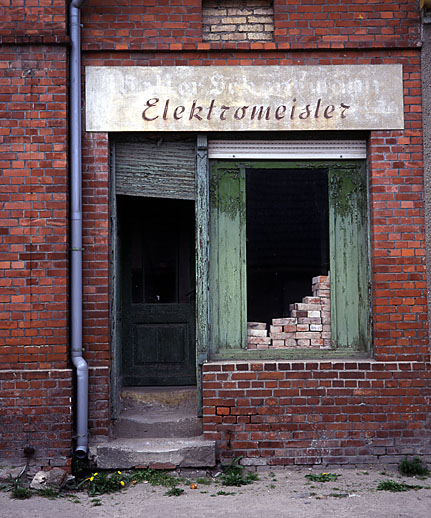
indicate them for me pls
(348, 253)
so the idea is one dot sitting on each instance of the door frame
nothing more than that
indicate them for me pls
(201, 274)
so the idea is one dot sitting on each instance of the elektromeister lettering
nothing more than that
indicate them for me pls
(156, 108)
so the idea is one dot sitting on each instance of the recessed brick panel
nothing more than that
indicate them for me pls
(237, 20)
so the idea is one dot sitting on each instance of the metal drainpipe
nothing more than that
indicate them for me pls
(76, 230)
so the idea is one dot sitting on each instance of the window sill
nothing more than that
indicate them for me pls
(288, 354)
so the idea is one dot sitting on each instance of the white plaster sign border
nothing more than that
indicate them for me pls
(248, 98)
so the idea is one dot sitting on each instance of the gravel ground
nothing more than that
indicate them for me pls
(279, 492)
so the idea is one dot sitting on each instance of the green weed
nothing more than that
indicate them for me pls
(17, 491)
(156, 477)
(20, 493)
(49, 492)
(322, 477)
(103, 482)
(174, 491)
(233, 474)
(395, 487)
(204, 481)
(413, 467)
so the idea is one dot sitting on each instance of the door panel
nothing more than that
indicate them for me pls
(157, 313)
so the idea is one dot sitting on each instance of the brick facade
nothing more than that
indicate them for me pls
(35, 381)
(270, 412)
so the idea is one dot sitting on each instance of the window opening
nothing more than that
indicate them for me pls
(287, 229)
(288, 256)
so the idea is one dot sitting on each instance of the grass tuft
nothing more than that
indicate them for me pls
(234, 475)
(395, 487)
(322, 477)
(413, 467)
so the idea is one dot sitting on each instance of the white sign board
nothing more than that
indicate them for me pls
(249, 98)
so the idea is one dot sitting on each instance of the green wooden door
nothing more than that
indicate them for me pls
(157, 285)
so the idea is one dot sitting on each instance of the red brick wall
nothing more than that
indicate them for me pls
(95, 264)
(33, 190)
(35, 381)
(120, 25)
(36, 411)
(299, 24)
(334, 24)
(336, 412)
(31, 21)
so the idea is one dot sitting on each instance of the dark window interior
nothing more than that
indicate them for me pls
(287, 238)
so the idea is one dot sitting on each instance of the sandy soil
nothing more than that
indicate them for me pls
(278, 493)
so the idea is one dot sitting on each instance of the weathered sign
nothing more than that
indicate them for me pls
(251, 98)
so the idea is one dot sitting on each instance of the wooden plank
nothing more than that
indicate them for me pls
(228, 311)
(349, 257)
(202, 261)
(114, 299)
(163, 168)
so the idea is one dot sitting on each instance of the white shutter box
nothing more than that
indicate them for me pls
(288, 149)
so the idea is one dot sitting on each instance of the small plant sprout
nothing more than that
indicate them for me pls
(322, 477)
(174, 491)
(233, 474)
(101, 483)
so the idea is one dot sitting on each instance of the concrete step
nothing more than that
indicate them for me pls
(160, 453)
(148, 412)
(169, 397)
(157, 422)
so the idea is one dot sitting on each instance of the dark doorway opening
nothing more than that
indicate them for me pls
(287, 226)
(157, 289)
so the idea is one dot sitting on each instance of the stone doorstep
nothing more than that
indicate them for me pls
(157, 422)
(160, 453)
(166, 397)
(157, 412)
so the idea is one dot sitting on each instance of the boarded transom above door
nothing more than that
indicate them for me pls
(156, 167)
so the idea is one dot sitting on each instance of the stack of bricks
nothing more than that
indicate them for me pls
(309, 324)
(230, 20)
(257, 336)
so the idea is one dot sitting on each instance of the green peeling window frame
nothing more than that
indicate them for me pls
(349, 262)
